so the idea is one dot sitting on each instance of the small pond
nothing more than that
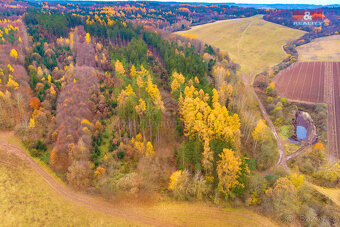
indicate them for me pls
(301, 132)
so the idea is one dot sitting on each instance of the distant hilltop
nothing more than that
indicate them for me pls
(283, 6)
(245, 5)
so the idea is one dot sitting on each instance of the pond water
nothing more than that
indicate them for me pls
(301, 132)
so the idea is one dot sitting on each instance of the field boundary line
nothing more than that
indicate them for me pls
(322, 77)
(240, 40)
(329, 99)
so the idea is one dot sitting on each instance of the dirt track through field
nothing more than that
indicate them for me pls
(78, 197)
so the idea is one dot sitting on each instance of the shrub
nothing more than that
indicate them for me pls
(121, 154)
(270, 100)
(257, 185)
(284, 101)
(179, 182)
(129, 183)
(270, 108)
(328, 174)
(184, 186)
(267, 154)
(78, 175)
(281, 200)
(271, 179)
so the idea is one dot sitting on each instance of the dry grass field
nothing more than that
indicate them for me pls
(253, 43)
(332, 193)
(27, 199)
(321, 49)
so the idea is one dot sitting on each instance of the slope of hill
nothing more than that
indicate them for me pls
(253, 43)
(321, 49)
(40, 199)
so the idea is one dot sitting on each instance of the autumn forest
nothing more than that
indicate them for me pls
(116, 105)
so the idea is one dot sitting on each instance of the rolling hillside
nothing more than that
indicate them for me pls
(253, 43)
(321, 49)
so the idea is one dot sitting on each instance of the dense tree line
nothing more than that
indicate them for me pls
(53, 25)
(178, 59)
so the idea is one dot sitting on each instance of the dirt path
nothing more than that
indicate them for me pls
(78, 197)
(282, 159)
(298, 152)
(241, 38)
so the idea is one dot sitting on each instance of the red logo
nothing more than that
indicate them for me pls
(308, 15)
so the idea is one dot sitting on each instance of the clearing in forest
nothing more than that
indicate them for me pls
(321, 49)
(253, 43)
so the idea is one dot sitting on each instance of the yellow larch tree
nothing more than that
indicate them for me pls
(228, 170)
(32, 123)
(88, 37)
(12, 83)
(259, 132)
(133, 72)
(14, 54)
(119, 68)
(149, 149)
(205, 122)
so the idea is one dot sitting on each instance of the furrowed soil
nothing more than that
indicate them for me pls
(315, 82)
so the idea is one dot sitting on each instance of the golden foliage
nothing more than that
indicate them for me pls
(149, 149)
(138, 143)
(205, 122)
(133, 71)
(296, 179)
(32, 123)
(10, 68)
(155, 95)
(119, 68)
(99, 172)
(142, 148)
(88, 37)
(14, 54)
(141, 107)
(173, 179)
(228, 169)
(52, 90)
(86, 122)
(190, 36)
(12, 83)
(319, 146)
(177, 80)
(259, 133)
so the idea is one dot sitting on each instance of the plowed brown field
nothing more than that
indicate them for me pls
(315, 82)
(303, 81)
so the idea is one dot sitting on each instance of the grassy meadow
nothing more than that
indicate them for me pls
(321, 49)
(253, 43)
(26, 200)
